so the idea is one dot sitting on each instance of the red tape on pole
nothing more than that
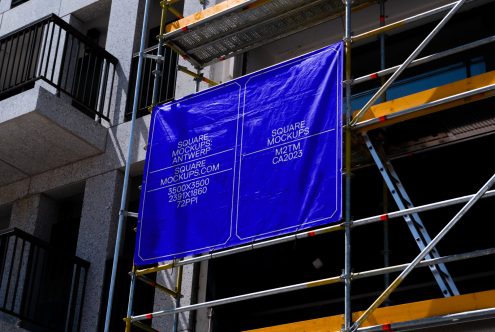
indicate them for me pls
(387, 327)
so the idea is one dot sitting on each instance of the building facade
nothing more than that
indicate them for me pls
(67, 76)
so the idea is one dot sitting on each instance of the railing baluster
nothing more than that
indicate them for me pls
(72, 298)
(68, 70)
(104, 83)
(111, 91)
(35, 62)
(55, 54)
(49, 50)
(29, 281)
(2, 63)
(41, 281)
(74, 73)
(18, 56)
(45, 31)
(28, 53)
(95, 78)
(7, 290)
(3, 248)
(18, 276)
(86, 77)
(80, 64)
(83, 293)
(10, 66)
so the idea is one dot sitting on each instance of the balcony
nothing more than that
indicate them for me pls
(42, 287)
(55, 92)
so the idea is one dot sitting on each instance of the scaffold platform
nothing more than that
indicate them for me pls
(236, 26)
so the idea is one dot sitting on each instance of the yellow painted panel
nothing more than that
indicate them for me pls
(423, 97)
(182, 23)
(395, 314)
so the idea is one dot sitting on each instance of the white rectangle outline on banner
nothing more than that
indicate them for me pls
(170, 256)
(337, 150)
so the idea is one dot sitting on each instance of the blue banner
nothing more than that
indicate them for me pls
(256, 157)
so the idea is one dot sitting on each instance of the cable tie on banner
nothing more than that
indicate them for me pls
(384, 217)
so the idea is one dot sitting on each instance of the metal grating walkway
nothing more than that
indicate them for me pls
(244, 25)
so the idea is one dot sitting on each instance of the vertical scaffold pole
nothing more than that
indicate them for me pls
(132, 287)
(386, 249)
(348, 116)
(159, 62)
(178, 290)
(123, 200)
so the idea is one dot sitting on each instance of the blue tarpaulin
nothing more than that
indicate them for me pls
(256, 157)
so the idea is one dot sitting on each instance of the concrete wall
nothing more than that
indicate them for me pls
(34, 214)
(124, 30)
(97, 237)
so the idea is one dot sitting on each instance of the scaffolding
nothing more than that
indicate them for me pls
(202, 47)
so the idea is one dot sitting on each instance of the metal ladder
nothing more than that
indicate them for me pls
(413, 221)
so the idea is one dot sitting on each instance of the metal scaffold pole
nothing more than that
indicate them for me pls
(386, 249)
(132, 287)
(347, 222)
(160, 59)
(178, 290)
(123, 200)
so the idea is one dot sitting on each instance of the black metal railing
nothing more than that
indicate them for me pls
(53, 51)
(40, 285)
(16, 3)
(166, 86)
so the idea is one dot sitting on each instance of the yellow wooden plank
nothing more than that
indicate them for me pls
(188, 20)
(395, 314)
(423, 97)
